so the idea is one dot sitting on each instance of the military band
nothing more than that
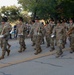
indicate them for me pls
(54, 35)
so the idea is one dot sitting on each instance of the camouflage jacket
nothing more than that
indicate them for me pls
(21, 29)
(58, 31)
(6, 30)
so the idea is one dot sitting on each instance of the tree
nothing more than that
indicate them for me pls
(41, 8)
(12, 12)
(66, 8)
(49, 8)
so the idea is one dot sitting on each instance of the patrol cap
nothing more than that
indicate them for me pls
(58, 21)
(71, 19)
(33, 20)
(36, 18)
(51, 19)
(62, 20)
(4, 19)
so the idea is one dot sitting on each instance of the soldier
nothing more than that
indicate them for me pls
(32, 32)
(71, 35)
(42, 32)
(10, 28)
(21, 30)
(58, 31)
(69, 27)
(64, 36)
(4, 40)
(47, 34)
(52, 25)
(37, 36)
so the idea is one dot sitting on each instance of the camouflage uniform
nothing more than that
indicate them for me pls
(37, 37)
(64, 35)
(10, 28)
(47, 34)
(4, 41)
(42, 32)
(52, 25)
(72, 40)
(21, 30)
(31, 33)
(59, 32)
(69, 27)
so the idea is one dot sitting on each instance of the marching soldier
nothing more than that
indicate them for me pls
(71, 35)
(52, 25)
(21, 30)
(65, 31)
(69, 27)
(37, 36)
(4, 40)
(47, 34)
(10, 28)
(32, 32)
(58, 31)
(42, 32)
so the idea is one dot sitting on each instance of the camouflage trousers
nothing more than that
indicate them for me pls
(22, 42)
(69, 39)
(72, 43)
(42, 40)
(48, 38)
(4, 43)
(52, 43)
(59, 46)
(37, 40)
(32, 39)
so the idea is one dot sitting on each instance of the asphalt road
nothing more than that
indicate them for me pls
(27, 63)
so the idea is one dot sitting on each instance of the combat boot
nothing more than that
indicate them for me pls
(58, 55)
(63, 46)
(43, 42)
(72, 50)
(20, 50)
(2, 57)
(3, 54)
(33, 44)
(8, 52)
(36, 52)
(34, 48)
(23, 49)
(9, 47)
(52, 49)
(39, 51)
(48, 46)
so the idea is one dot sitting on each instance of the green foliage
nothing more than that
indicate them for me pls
(12, 12)
(41, 8)
(66, 8)
(49, 8)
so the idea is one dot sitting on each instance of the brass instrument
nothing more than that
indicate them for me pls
(70, 31)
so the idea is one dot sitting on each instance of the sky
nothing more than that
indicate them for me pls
(8, 3)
